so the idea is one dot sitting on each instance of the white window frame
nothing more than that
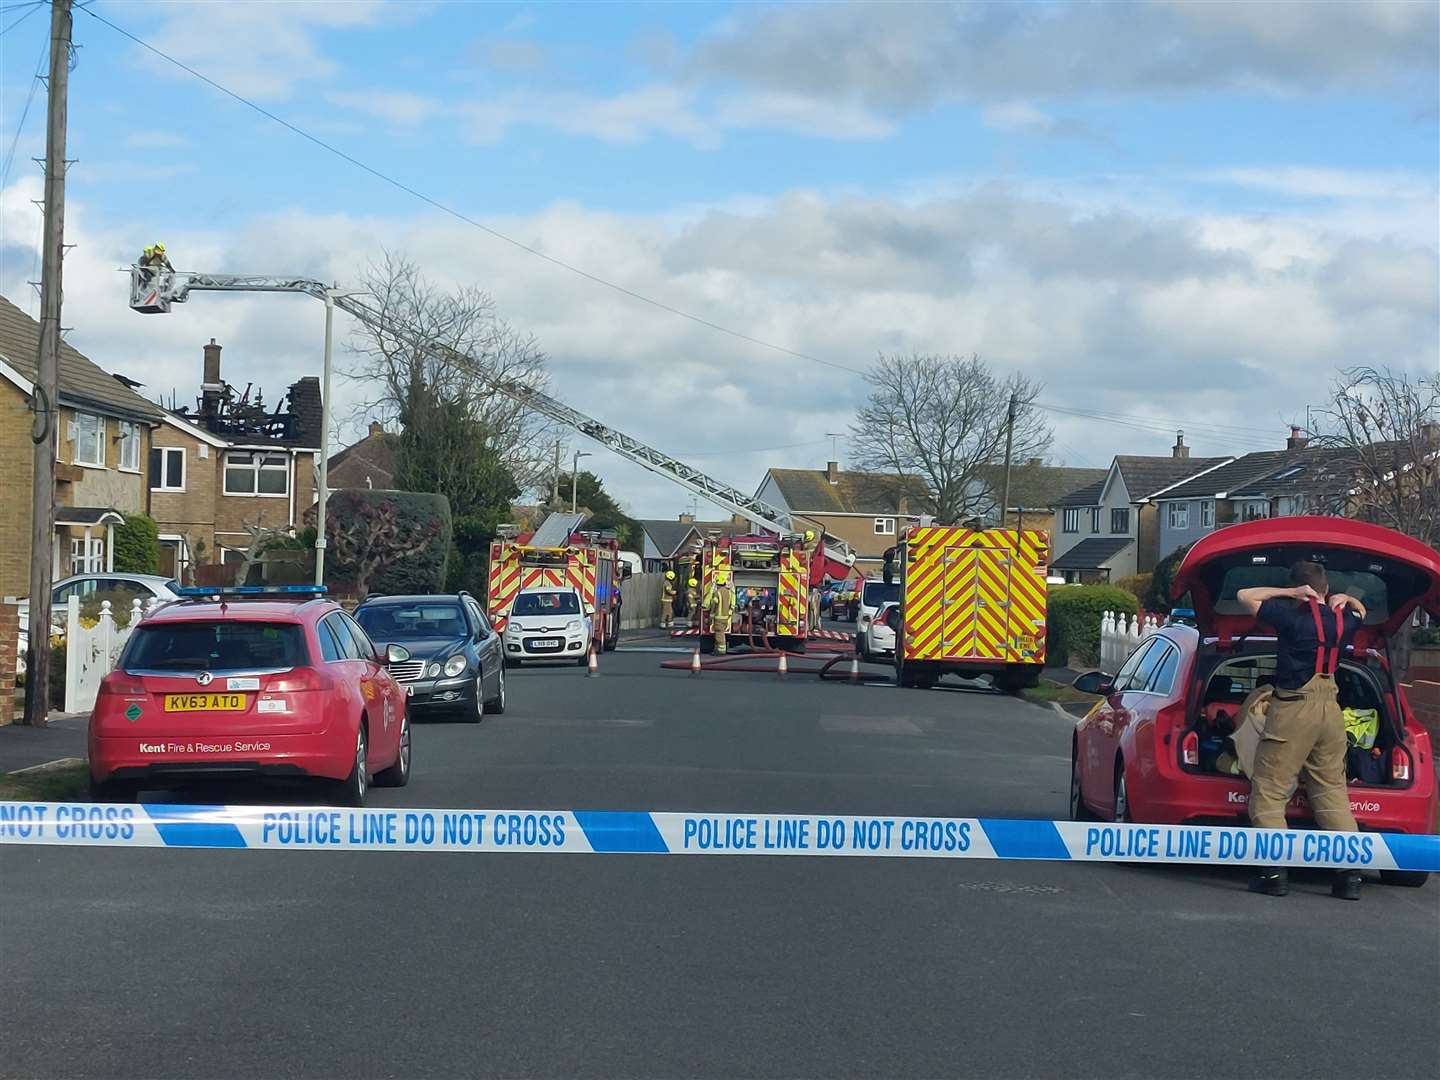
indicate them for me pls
(884, 526)
(75, 457)
(1070, 520)
(1120, 510)
(258, 465)
(164, 452)
(1207, 514)
(1096, 514)
(129, 441)
(1178, 515)
(87, 562)
(1244, 506)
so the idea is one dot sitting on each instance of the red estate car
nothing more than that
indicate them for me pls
(1140, 753)
(250, 685)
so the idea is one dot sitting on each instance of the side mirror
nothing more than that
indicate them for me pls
(1094, 682)
(395, 654)
(626, 571)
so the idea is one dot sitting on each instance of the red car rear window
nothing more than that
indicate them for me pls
(216, 646)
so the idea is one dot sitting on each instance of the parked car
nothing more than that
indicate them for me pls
(284, 685)
(877, 640)
(1150, 749)
(548, 624)
(872, 595)
(845, 601)
(455, 663)
(119, 589)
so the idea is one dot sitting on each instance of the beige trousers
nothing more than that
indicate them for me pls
(1304, 737)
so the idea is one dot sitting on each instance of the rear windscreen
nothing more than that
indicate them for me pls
(216, 646)
(877, 593)
(1366, 587)
(403, 622)
(549, 603)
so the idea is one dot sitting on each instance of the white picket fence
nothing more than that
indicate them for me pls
(91, 651)
(1119, 634)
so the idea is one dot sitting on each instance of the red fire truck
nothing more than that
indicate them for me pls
(589, 561)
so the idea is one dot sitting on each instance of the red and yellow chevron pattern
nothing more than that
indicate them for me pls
(973, 594)
(503, 584)
(792, 610)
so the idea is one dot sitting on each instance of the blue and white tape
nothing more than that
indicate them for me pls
(318, 828)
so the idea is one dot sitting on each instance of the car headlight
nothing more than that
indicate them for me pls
(574, 625)
(433, 671)
(454, 666)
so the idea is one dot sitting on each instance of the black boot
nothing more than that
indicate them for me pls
(1347, 885)
(1271, 882)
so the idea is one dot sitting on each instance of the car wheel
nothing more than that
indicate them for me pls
(113, 791)
(1078, 810)
(1410, 879)
(351, 791)
(612, 639)
(476, 710)
(496, 705)
(584, 659)
(398, 775)
(1122, 795)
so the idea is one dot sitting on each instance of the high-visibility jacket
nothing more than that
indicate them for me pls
(667, 589)
(722, 603)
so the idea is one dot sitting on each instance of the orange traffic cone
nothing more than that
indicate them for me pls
(784, 667)
(695, 663)
(592, 666)
(854, 669)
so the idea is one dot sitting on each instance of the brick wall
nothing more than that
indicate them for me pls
(234, 512)
(189, 513)
(9, 634)
(17, 462)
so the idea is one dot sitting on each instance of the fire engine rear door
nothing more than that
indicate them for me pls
(976, 604)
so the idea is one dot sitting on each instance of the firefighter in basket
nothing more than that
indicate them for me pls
(721, 606)
(667, 599)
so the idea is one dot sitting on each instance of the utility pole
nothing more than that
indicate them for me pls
(323, 495)
(1009, 447)
(555, 479)
(46, 393)
(575, 481)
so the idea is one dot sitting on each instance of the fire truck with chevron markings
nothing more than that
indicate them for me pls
(972, 603)
(588, 561)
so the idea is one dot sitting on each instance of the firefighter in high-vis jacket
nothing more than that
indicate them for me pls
(721, 606)
(667, 599)
(692, 601)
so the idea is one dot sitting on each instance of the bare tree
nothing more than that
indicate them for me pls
(394, 357)
(942, 419)
(1385, 431)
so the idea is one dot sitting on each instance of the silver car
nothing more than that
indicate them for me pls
(118, 588)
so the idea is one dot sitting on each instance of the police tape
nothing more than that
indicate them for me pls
(320, 828)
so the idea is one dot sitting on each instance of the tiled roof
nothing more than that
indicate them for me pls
(372, 459)
(809, 491)
(1092, 554)
(82, 382)
(1227, 477)
(1318, 470)
(1089, 495)
(667, 535)
(1146, 475)
(1036, 487)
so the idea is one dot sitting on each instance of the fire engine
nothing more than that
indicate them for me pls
(560, 554)
(972, 603)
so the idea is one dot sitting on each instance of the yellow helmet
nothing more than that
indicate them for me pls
(809, 536)
(160, 249)
(722, 578)
(670, 575)
(692, 583)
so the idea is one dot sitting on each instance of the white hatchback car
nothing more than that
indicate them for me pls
(874, 593)
(547, 624)
(877, 640)
(118, 588)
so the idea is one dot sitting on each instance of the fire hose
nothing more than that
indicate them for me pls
(763, 658)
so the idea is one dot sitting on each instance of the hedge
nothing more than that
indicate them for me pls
(1136, 584)
(1074, 620)
(417, 514)
(1157, 597)
(137, 545)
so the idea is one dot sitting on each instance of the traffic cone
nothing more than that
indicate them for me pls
(695, 663)
(592, 667)
(784, 667)
(854, 669)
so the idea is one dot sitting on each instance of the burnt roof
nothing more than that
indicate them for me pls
(83, 383)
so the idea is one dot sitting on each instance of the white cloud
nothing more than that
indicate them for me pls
(800, 115)
(397, 107)
(626, 117)
(1313, 183)
(1205, 318)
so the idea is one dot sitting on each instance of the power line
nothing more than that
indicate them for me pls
(452, 212)
(36, 6)
(1196, 425)
(24, 113)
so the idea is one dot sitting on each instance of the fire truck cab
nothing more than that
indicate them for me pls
(589, 561)
(972, 603)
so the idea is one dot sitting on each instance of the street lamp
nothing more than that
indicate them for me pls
(575, 480)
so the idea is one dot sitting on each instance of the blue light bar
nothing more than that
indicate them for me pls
(250, 590)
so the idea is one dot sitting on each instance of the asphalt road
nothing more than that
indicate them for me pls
(173, 963)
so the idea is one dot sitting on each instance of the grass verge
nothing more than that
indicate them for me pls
(59, 783)
(1049, 691)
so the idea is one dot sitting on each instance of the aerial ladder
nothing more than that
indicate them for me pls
(154, 289)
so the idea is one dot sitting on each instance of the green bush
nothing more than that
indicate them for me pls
(1074, 620)
(1136, 584)
(386, 542)
(137, 545)
(1157, 597)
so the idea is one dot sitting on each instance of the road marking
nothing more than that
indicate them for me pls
(311, 828)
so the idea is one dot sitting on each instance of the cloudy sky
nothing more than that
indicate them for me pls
(1176, 214)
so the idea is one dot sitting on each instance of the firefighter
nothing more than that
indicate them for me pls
(692, 602)
(667, 599)
(154, 259)
(721, 606)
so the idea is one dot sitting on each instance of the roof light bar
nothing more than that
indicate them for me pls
(250, 590)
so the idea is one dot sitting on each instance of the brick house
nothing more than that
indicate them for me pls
(368, 463)
(229, 465)
(866, 510)
(104, 440)
(1035, 492)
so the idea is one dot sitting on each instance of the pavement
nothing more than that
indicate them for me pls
(22, 746)
(195, 963)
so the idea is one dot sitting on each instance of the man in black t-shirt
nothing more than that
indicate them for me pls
(1304, 735)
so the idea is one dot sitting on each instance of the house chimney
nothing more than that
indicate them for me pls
(832, 471)
(687, 519)
(212, 365)
(376, 428)
(1296, 441)
(1179, 450)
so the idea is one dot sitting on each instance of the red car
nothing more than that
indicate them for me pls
(1146, 752)
(284, 685)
